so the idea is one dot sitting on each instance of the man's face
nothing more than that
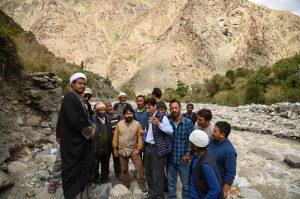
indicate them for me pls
(175, 109)
(86, 97)
(189, 109)
(162, 110)
(123, 99)
(140, 102)
(150, 109)
(101, 112)
(202, 122)
(79, 85)
(192, 146)
(128, 116)
(108, 108)
(217, 134)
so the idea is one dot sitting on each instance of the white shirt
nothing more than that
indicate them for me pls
(165, 126)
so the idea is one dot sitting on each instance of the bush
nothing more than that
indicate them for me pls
(274, 95)
(228, 98)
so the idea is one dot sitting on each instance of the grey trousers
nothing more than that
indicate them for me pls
(56, 171)
(154, 169)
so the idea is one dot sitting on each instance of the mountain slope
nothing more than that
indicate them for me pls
(144, 43)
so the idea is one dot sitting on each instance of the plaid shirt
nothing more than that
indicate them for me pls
(180, 139)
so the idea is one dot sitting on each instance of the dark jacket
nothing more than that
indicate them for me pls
(192, 117)
(162, 140)
(199, 177)
(95, 141)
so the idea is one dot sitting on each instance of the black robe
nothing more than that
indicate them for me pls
(76, 151)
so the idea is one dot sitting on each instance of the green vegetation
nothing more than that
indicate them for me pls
(20, 52)
(267, 85)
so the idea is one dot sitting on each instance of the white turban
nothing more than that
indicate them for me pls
(77, 76)
(199, 138)
(122, 94)
(99, 105)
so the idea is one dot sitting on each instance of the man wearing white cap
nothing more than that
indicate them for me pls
(87, 95)
(121, 105)
(102, 146)
(76, 131)
(205, 179)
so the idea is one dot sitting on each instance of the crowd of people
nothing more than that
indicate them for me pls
(162, 144)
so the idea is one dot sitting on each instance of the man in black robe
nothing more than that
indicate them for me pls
(76, 131)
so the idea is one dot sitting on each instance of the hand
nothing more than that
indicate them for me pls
(226, 188)
(135, 152)
(185, 159)
(93, 135)
(115, 153)
(58, 140)
(154, 121)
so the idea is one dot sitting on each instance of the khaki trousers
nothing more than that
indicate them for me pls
(136, 159)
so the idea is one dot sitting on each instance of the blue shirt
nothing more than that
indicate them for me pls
(180, 139)
(141, 117)
(225, 156)
(211, 179)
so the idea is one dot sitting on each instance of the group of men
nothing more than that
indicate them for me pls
(160, 145)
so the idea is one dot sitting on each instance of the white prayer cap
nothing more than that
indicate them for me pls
(77, 76)
(199, 138)
(88, 91)
(122, 94)
(99, 105)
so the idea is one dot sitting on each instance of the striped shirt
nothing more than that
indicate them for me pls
(180, 139)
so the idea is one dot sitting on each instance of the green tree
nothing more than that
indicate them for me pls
(181, 89)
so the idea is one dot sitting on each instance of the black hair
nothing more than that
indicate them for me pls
(128, 108)
(224, 127)
(150, 101)
(157, 92)
(161, 105)
(174, 101)
(206, 113)
(190, 104)
(142, 96)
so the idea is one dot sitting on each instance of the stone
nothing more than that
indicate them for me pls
(33, 120)
(265, 153)
(119, 190)
(102, 191)
(5, 180)
(242, 182)
(20, 120)
(44, 124)
(43, 174)
(283, 114)
(292, 160)
(30, 194)
(16, 166)
(3, 167)
(4, 154)
(248, 193)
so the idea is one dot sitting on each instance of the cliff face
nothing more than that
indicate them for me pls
(158, 43)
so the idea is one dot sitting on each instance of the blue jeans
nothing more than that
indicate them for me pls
(184, 174)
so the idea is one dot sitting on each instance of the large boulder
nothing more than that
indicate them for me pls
(5, 180)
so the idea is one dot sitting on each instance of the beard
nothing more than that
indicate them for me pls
(128, 119)
(175, 114)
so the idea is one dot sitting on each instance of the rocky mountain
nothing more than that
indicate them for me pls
(147, 43)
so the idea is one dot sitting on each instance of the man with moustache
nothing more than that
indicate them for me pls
(157, 148)
(75, 131)
(127, 143)
(180, 154)
(101, 144)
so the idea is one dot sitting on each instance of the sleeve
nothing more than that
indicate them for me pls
(190, 128)
(230, 167)
(214, 188)
(116, 137)
(165, 126)
(73, 117)
(140, 143)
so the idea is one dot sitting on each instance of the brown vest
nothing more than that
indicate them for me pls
(128, 137)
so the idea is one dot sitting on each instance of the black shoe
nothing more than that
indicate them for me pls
(143, 188)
